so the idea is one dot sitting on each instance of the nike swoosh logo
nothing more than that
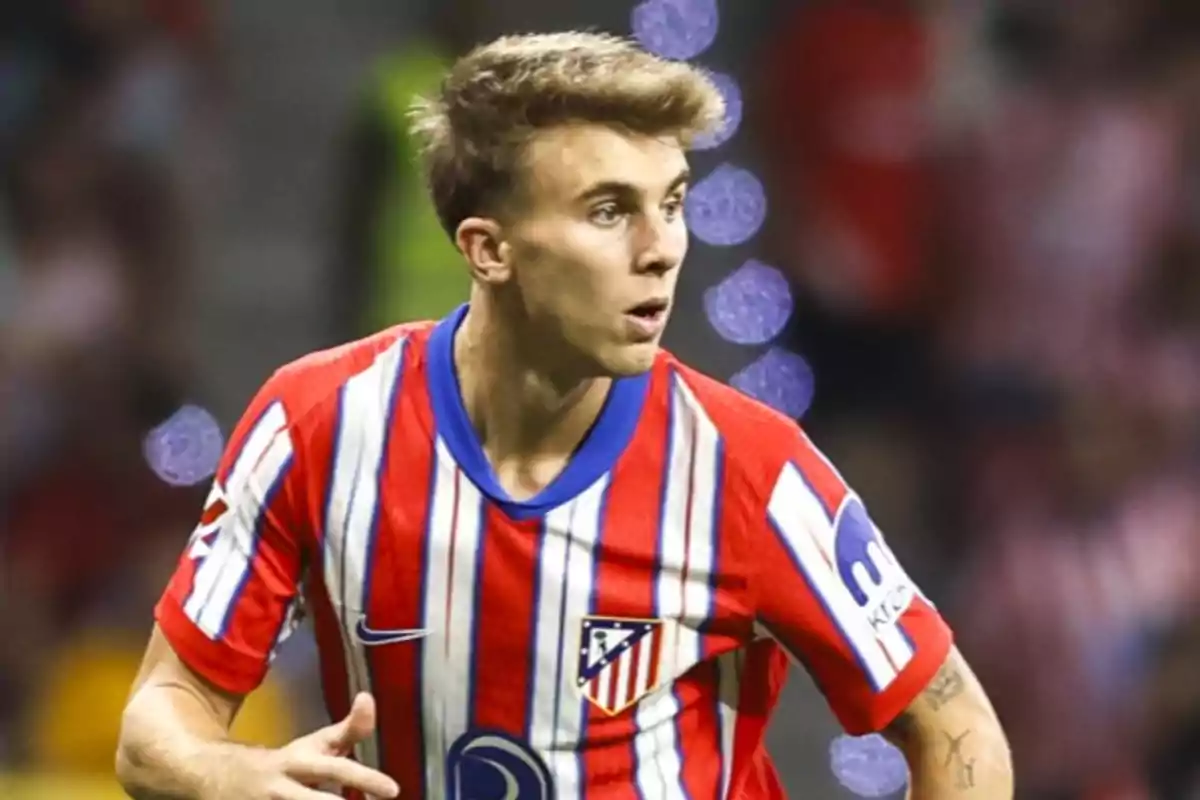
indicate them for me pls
(376, 636)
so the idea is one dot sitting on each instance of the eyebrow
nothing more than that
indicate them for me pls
(628, 189)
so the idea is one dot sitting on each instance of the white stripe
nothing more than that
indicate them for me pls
(264, 457)
(807, 507)
(604, 681)
(701, 555)
(702, 551)
(787, 510)
(659, 769)
(565, 592)
(729, 672)
(452, 545)
(363, 422)
(702, 525)
(460, 625)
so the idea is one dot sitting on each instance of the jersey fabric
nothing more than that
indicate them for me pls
(623, 634)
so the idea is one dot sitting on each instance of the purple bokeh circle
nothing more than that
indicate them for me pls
(869, 765)
(751, 305)
(727, 207)
(678, 29)
(185, 450)
(733, 113)
(781, 379)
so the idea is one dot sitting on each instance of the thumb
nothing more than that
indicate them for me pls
(355, 726)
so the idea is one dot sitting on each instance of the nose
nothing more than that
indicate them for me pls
(660, 245)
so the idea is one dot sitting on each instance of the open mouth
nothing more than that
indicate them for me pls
(650, 311)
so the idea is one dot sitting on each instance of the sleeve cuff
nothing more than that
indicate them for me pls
(907, 687)
(229, 669)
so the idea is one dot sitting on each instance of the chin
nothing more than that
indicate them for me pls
(630, 360)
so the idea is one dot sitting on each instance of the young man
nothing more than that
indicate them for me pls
(543, 559)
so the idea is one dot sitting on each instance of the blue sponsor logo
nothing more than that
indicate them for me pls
(489, 765)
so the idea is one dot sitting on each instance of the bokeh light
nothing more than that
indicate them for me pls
(186, 449)
(733, 113)
(726, 208)
(781, 379)
(869, 766)
(679, 29)
(751, 305)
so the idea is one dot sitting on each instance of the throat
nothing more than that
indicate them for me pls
(524, 478)
(528, 425)
(529, 446)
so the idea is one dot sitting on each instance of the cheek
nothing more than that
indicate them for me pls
(679, 239)
(560, 286)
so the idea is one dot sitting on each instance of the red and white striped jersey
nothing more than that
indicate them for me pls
(623, 634)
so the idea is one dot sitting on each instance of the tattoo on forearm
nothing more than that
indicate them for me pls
(945, 686)
(963, 766)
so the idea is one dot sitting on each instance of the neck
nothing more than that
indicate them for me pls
(520, 404)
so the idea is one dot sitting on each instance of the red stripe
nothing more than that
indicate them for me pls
(327, 630)
(635, 658)
(825, 482)
(508, 583)
(689, 495)
(763, 674)
(615, 700)
(213, 512)
(315, 454)
(397, 591)
(697, 729)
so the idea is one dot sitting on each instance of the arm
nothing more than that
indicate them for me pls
(174, 730)
(952, 740)
(230, 603)
(834, 596)
(175, 743)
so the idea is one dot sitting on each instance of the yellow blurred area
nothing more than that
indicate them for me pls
(76, 717)
(49, 787)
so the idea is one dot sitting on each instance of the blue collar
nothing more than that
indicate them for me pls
(596, 455)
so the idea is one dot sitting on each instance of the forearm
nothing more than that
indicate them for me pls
(962, 765)
(172, 747)
(952, 740)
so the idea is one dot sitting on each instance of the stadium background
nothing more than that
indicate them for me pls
(959, 238)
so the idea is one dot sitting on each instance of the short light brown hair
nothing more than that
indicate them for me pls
(473, 130)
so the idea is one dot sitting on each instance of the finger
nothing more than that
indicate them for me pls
(355, 726)
(295, 791)
(344, 772)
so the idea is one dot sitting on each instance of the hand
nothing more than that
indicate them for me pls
(319, 759)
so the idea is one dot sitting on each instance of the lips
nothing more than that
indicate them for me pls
(645, 321)
(649, 309)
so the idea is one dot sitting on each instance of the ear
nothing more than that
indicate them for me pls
(481, 241)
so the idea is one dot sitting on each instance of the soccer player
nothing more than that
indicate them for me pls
(542, 558)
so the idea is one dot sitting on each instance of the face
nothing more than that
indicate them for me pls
(596, 250)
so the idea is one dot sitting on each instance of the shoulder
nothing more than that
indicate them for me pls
(311, 383)
(756, 439)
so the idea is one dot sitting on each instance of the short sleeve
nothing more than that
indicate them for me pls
(831, 592)
(235, 594)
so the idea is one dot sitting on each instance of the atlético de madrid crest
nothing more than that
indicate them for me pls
(619, 660)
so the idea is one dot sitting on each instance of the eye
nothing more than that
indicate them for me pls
(673, 207)
(608, 213)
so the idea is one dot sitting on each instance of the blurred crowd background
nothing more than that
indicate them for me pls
(979, 273)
